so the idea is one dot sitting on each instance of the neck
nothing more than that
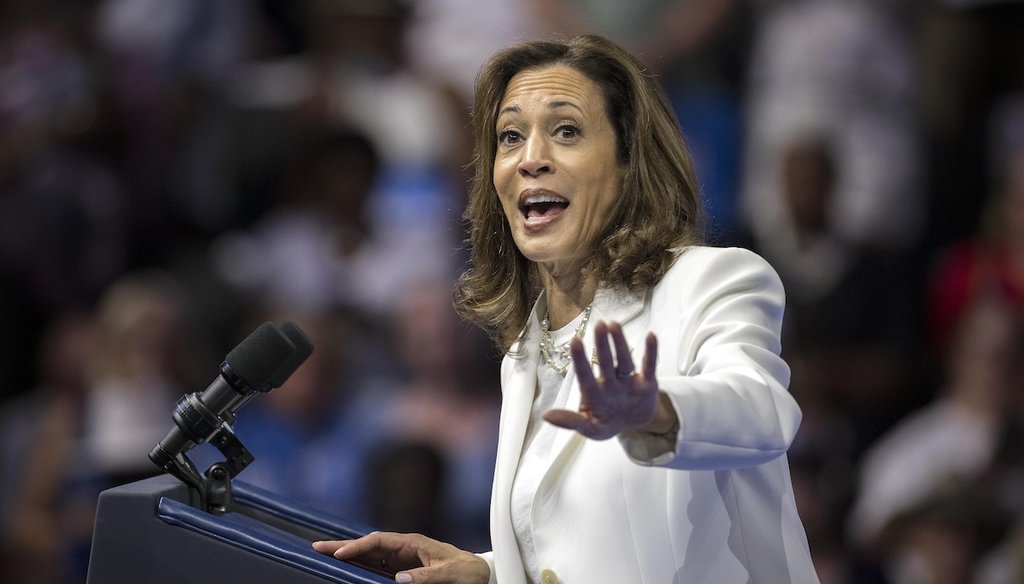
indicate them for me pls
(567, 294)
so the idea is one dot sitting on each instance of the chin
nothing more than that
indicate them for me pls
(546, 251)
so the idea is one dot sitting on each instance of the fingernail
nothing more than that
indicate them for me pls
(338, 551)
(403, 578)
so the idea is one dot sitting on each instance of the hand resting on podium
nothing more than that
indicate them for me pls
(410, 558)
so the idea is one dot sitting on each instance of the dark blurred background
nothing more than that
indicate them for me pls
(174, 173)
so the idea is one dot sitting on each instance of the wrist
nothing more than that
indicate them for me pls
(665, 423)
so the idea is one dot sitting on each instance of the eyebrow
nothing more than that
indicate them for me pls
(551, 106)
(558, 104)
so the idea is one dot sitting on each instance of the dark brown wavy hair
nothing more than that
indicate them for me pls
(659, 210)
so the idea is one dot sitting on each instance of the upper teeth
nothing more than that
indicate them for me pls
(534, 199)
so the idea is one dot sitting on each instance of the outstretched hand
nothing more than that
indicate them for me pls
(410, 557)
(620, 398)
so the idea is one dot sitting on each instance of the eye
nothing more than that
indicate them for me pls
(509, 137)
(567, 131)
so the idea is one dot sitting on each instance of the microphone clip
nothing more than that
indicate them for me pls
(216, 492)
(213, 486)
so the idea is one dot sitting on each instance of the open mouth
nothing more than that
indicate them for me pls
(544, 205)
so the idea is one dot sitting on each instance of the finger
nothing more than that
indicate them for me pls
(380, 551)
(606, 363)
(650, 356)
(328, 546)
(624, 367)
(371, 547)
(580, 362)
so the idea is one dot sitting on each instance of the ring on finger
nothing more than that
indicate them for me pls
(624, 374)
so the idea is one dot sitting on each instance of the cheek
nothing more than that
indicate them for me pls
(499, 172)
(609, 187)
(502, 185)
(509, 210)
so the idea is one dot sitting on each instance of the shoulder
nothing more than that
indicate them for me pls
(703, 265)
(708, 284)
(707, 254)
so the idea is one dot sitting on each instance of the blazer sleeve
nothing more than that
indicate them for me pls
(489, 558)
(728, 382)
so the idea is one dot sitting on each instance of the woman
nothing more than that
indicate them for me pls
(585, 214)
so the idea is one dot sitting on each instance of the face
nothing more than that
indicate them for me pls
(555, 170)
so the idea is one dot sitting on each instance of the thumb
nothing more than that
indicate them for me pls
(579, 423)
(423, 575)
(567, 419)
(442, 573)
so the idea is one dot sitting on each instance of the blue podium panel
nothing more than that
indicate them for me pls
(153, 531)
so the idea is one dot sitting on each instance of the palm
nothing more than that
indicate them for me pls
(620, 398)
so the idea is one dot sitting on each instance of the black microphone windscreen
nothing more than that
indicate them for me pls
(303, 349)
(255, 360)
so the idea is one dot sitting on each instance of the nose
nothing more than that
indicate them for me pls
(536, 159)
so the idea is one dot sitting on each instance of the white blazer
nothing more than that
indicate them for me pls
(719, 508)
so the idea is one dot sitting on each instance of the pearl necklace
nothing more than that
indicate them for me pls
(558, 358)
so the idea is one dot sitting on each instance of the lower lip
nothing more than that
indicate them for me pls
(537, 223)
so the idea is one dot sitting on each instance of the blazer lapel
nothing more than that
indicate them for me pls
(519, 384)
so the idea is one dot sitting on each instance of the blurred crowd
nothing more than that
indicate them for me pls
(172, 174)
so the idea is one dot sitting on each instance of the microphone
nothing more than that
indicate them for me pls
(303, 349)
(262, 361)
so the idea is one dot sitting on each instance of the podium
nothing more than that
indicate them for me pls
(155, 531)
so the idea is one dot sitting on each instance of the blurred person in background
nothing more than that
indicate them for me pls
(165, 66)
(993, 255)
(355, 73)
(844, 70)
(319, 247)
(63, 237)
(988, 263)
(1004, 487)
(406, 481)
(951, 442)
(970, 56)
(448, 399)
(852, 322)
(38, 431)
(942, 539)
(831, 196)
(315, 249)
(139, 364)
(143, 363)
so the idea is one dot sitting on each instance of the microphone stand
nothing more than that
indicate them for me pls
(214, 486)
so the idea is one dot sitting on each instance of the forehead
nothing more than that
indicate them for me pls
(551, 86)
